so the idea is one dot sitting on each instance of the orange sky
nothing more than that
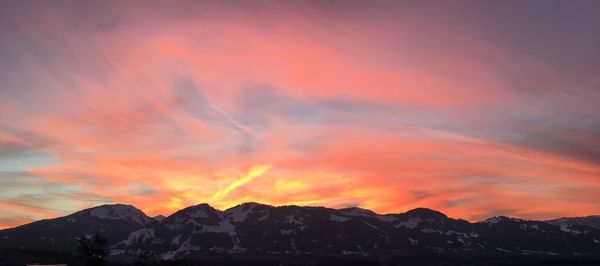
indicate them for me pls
(473, 109)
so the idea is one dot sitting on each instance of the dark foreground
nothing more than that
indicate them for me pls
(20, 257)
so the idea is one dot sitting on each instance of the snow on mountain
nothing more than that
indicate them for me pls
(388, 218)
(119, 212)
(138, 236)
(337, 218)
(410, 223)
(198, 213)
(498, 219)
(566, 228)
(355, 211)
(266, 230)
(591, 221)
(492, 220)
(240, 212)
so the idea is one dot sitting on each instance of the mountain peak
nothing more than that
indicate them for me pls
(116, 207)
(240, 212)
(356, 211)
(498, 219)
(118, 212)
(245, 205)
(159, 218)
(203, 210)
(425, 213)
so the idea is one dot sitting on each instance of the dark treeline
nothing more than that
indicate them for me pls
(93, 251)
(19, 257)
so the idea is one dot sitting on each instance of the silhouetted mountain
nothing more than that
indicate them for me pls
(591, 221)
(253, 229)
(115, 221)
(159, 218)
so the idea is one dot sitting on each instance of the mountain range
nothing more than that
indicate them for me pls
(253, 229)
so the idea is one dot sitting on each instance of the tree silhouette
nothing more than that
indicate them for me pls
(94, 249)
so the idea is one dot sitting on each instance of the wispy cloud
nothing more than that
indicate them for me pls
(254, 172)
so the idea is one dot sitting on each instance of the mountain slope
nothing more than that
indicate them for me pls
(591, 221)
(115, 221)
(262, 230)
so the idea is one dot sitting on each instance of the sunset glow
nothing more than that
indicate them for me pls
(473, 110)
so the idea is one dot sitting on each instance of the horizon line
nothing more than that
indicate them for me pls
(294, 205)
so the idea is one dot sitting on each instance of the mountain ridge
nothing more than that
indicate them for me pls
(418, 209)
(259, 229)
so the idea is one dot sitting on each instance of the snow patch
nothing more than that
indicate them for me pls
(222, 227)
(180, 222)
(528, 252)
(565, 228)
(239, 213)
(413, 242)
(228, 228)
(523, 226)
(493, 220)
(292, 219)
(176, 240)
(186, 246)
(387, 218)
(337, 218)
(370, 225)
(120, 212)
(410, 223)
(503, 250)
(355, 211)
(430, 231)
(265, 216)
(139, 236)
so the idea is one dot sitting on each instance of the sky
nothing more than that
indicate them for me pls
(472, 108)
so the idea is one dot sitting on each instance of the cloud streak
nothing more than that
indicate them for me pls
(254, 172)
